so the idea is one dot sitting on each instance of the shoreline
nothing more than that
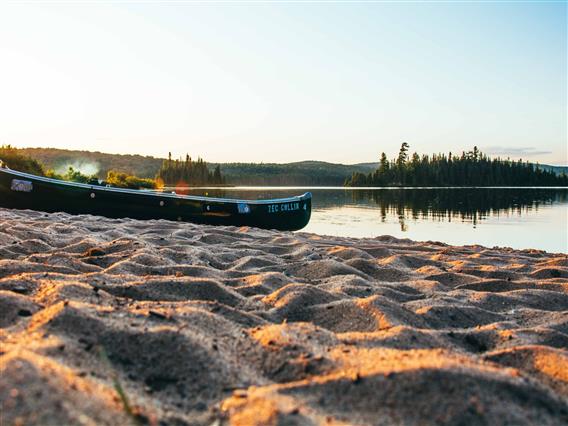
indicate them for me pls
(153, 322)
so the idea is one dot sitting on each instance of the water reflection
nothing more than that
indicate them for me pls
(466, 204)
(469, 205)
(515, 217)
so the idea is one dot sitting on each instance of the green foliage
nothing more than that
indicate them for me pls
(303, 173)
(188, 173)
(72, 175)
(16, 160)
(58, 159)
(402, 155)
(357, 179)
(417, 170)
(51, 174)
(472, 168)
(118, 387)
(123, 180)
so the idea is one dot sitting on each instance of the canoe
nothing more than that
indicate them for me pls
(25, 191)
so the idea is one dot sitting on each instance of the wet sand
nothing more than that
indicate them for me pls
(130, 322)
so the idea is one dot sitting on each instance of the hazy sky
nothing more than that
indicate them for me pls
(338, 82)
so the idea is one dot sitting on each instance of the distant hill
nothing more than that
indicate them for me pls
(556, 169)
(95, 162)
(306, 173)
(302, 173)
(369, 166)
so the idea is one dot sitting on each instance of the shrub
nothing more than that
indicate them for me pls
(19, 162)
(123, 180)
(72, 175)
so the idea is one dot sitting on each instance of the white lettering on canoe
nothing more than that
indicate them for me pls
(287, 207)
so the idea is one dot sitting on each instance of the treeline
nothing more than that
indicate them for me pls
(181, 173)
(303, 173)
(171, 172)
(467, 169)
(113, 178)
(101, 163)
(16, 160)
(471, 168)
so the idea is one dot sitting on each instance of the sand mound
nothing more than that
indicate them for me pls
(115, 322)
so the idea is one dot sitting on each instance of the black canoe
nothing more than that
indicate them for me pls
(24, 191)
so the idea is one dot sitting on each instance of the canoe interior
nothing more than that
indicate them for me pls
(24, 191)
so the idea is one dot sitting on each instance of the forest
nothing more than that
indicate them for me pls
(171, 172)
(92, 162)
(15, 159)
(303, 173)
(180, 173)
(472, 168)
(18, 160)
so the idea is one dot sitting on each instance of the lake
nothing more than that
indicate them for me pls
(520, 218)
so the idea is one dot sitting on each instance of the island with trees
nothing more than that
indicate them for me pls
(472, 168)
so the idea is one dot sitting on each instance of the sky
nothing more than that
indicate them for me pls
(280, 82)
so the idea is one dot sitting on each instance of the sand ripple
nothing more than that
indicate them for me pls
(108, 322)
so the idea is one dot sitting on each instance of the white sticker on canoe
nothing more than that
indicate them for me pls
(21, 185)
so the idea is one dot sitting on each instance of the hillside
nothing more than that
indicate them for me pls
(303, 173)
(318, 173)
(556, 169)
(95, 162)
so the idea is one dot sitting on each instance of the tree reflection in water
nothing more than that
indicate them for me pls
(439, 204)
(465, 204)
(515, 217)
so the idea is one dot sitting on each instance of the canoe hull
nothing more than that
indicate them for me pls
(23, 191)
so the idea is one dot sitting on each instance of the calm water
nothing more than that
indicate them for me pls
(507, 217)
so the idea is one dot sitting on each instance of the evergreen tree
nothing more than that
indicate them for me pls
(471, 168)
(401, 163)
(402, 154)
(188, 173)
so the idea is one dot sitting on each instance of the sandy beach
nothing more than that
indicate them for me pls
(117, 322)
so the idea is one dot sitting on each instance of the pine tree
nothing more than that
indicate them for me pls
(188, 172)
(471, 168)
